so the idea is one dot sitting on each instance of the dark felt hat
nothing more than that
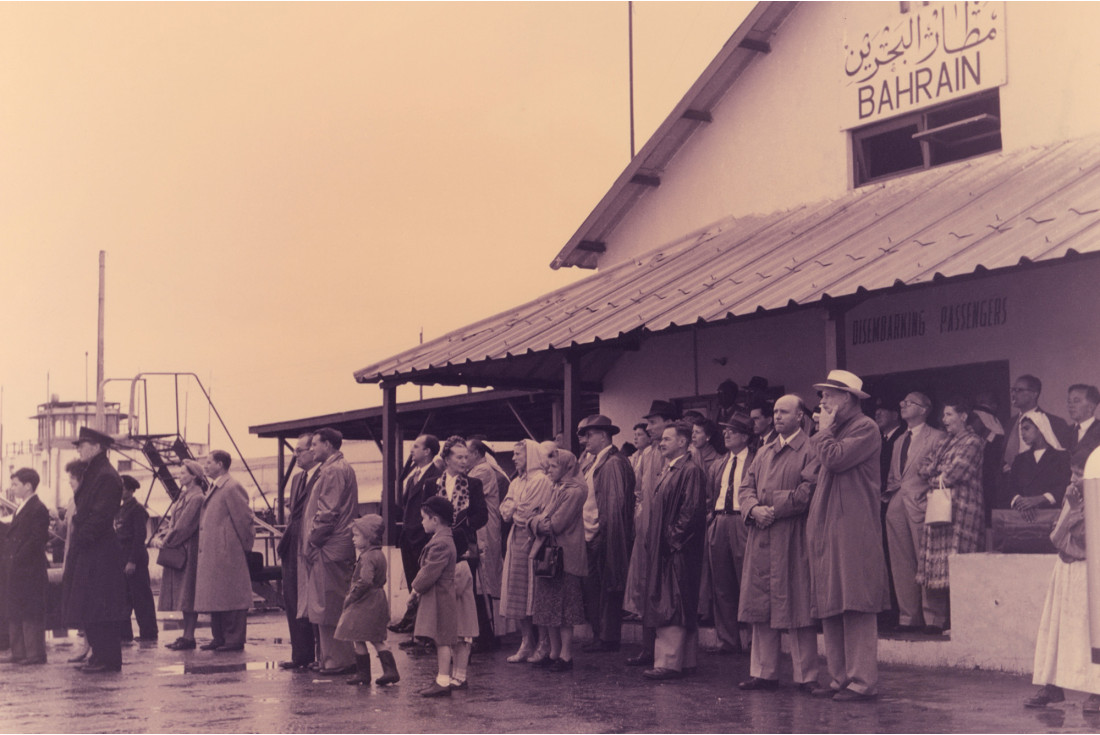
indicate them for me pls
(597, 421)
(91, 435)
(661, 408)
(739, 422)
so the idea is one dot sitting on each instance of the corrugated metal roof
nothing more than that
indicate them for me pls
(985, 213)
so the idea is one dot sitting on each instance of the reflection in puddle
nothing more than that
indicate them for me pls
(220, 668)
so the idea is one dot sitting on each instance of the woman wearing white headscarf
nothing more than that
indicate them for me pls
(527, 495)
(1039, 476)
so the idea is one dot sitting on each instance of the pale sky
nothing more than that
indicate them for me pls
(288, 192)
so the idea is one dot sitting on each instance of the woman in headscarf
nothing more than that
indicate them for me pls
(527, 495)
(558, 602)
(1039, 475)
(956, 462)
(177, 586)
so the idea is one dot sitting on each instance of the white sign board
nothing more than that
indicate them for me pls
(927, 56)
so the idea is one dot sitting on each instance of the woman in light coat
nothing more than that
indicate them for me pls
(177, 586)
(558, 603)
(527, 495)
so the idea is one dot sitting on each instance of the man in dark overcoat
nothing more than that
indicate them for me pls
(844, 536)
(131, 528)
(608, 531)
(302, 640)
(675, 538)
(25, 559)
(422, 474)
(93, 587)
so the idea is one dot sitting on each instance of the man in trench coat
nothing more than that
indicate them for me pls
(775, 586)
(844, 535)
(677, 524)
(223, 586)
(327, 549)
(93, 587)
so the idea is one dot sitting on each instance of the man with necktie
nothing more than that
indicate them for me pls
(907, 497)
(1084, 434)
(726, 535)
(302, 640)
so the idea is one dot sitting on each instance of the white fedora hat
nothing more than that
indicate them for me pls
(843, 380)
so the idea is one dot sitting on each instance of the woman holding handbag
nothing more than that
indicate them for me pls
(558, 603)
(956, 462)
(179, 550)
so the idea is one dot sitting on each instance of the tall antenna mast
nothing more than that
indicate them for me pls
(100, 412)
(630, 64)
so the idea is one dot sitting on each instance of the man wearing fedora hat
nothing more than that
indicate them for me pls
(844, 539)
(726, 536)
(608, 515)
(661, 415)
(93, 588)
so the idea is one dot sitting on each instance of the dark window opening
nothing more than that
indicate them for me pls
(933, 137)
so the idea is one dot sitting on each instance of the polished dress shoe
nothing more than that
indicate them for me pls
(1049, 694)
(211, 646)
(807, 687)
(292, 665)
(601, 647)
(644, 658)
(402, 626)
(460, 686)
(98, 668)
(756, 684)
(560, 665)
(660, 674)
(543, 663)
(182, 644)
(435, 690)
(146, 639)
(228, 649)
(851, 695)
(338, 671)
(823, 692)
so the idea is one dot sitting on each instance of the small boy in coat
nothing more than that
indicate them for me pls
(366, 607)
(434, 588)
(25, 557)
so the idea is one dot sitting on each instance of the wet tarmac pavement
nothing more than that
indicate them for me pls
(197, 691)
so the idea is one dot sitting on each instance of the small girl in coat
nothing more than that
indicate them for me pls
(434, 587)
(366, 607)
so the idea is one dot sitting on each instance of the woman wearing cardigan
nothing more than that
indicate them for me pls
(558, 602)
(527, 495)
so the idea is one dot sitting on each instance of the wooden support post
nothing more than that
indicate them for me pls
(280, 512)
(572, 401)
(390, 469)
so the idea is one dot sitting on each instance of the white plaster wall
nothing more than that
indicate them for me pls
(1050, 329)
(788, 350)
(776, 140)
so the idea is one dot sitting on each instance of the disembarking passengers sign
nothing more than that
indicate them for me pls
(927, 56)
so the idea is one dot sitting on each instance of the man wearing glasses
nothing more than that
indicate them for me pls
(907, 495)
(1025, 397)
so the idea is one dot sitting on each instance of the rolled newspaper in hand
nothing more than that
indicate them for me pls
(1091, 491)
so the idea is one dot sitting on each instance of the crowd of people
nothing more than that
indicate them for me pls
(766, 518)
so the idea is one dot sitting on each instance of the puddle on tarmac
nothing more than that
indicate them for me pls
(225, 668)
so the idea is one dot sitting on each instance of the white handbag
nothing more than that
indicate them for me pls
(938, 510)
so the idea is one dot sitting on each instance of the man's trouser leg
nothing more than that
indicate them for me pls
(903, 538)
(851, 650)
